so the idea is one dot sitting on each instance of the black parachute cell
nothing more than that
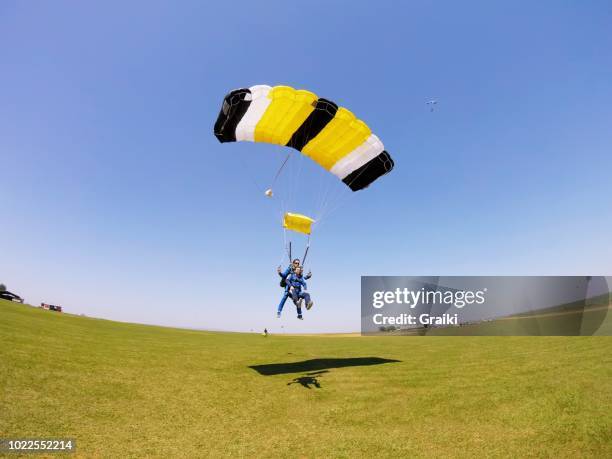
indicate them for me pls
(361, 178)
(323, 113)
(235, 105)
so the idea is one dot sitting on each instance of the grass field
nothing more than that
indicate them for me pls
(126, 390)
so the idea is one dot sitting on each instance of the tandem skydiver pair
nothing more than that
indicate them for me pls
(294, 282)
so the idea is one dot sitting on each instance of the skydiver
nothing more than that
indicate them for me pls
(293, 286)
(296, 282)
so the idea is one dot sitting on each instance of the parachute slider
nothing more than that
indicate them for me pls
(269, 193)
(297, 222)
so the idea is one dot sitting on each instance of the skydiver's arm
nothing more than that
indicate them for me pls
(308, 276)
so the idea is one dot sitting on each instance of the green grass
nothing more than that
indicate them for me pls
(126, 390)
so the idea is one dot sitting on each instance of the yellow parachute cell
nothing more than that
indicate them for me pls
(298, 222)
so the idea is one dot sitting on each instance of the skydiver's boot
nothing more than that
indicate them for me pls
(308, 301)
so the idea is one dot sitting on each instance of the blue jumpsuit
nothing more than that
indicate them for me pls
(297, 283)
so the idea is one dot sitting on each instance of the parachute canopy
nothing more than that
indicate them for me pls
(330, 135)
(297, 222)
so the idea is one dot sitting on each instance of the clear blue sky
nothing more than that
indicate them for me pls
(118, 201)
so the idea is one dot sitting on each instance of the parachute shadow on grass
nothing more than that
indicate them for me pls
(317, 364)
